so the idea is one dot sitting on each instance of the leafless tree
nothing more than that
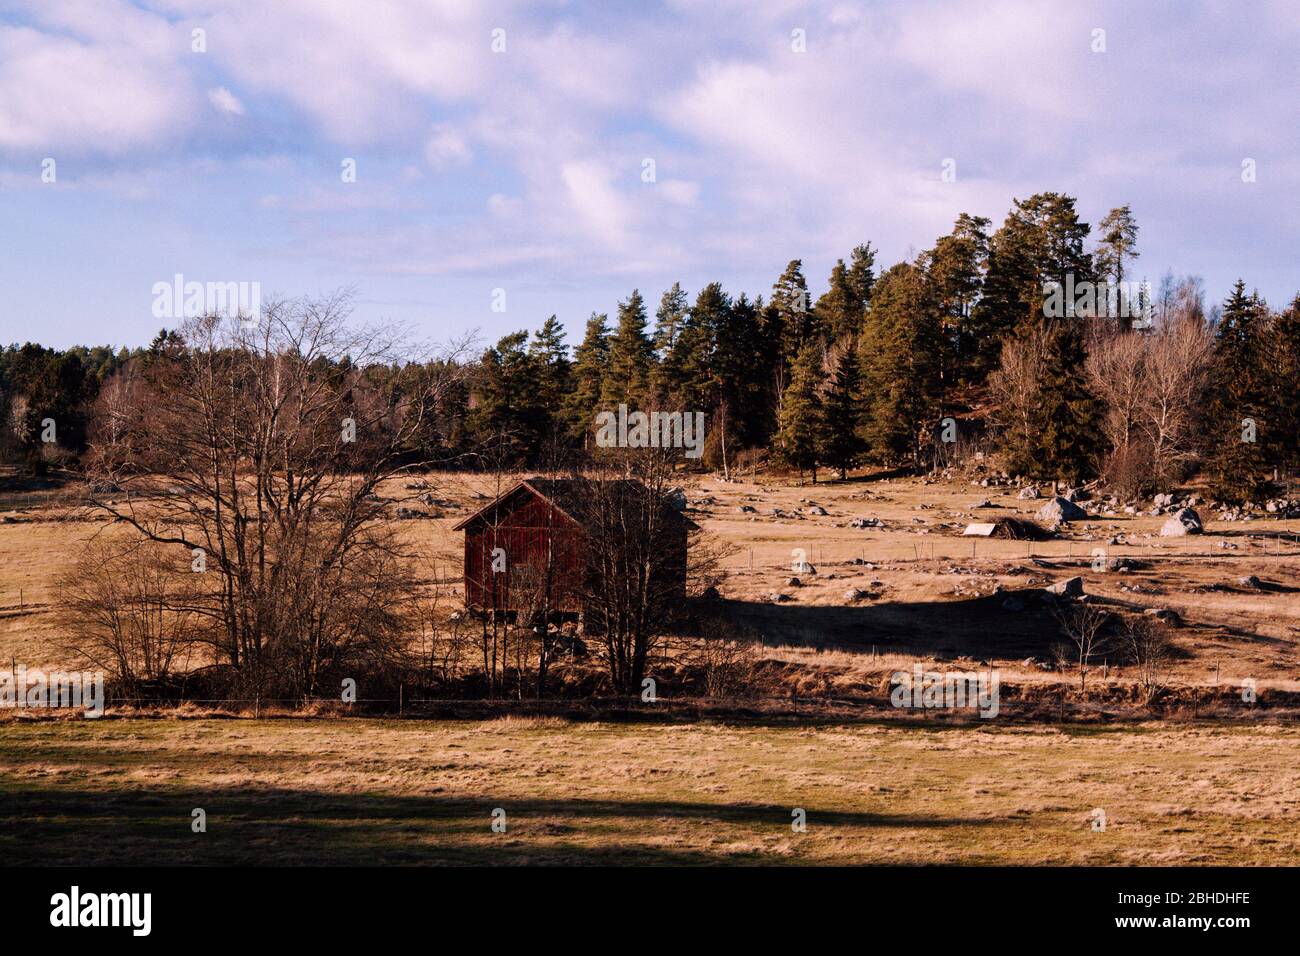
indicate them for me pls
(131, 611)
(1117, 367)
(1015, 386)
(1084, 626)
(264, 450)
(636, 570)
(1179, 352)
(1149, 649)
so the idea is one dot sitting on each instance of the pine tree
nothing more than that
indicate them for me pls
(843, 446)
(900, 357)
(839, 309)
(1041, 242)
(1239, 429)
(793, 312)
(590, 363)
(506, 410)
(862, 273)
(554, 369)
(803, 420)
(1117, 242)
(955, 266)
(687, 374)
(631, 357)
(1284, 404)
(1067, 418)
(669, 318)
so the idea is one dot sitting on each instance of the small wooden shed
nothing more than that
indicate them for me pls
(531, 539)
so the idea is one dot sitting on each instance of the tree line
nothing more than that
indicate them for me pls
(981, 340)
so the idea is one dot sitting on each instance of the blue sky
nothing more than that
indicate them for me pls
(522, 170)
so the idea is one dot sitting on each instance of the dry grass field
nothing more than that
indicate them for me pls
(925, 592)
(876, 789)
(403, 792)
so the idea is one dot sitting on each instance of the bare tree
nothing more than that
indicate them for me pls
(263, 453)
(1084, 626)
(131, 612)
(1149, 650)
(1117, 367)
(636, 567)
(1015, 386)
(1179, 352)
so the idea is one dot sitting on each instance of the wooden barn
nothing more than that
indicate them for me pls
(527, 548)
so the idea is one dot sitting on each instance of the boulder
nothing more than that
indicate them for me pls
(1061, 509)
(853, 595)
(1028, 493)
(1183, 521)
(1167, 615)
(1070, 587)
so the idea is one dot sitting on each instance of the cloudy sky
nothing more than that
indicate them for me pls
(524, 169)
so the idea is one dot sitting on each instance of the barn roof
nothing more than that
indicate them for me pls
(564, 494)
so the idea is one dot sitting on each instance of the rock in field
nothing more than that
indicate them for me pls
(1061, 509)
(1183, 521)
(1070, 587)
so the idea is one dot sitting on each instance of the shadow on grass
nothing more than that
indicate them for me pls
(255, 826)
(980, 628)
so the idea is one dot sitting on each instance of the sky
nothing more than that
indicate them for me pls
(514, 160)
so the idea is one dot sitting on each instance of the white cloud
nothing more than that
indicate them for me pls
(225, 101)
(446, 147)
(57, 92)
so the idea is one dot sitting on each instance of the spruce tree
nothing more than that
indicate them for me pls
(1067, 417)
(803, 420)
(687, 374)
(955, 266)
(862, 274)
(631, 357)
(590, 362)
(900, 357)
(793, 312)
(1238, 426)
(1284, 403)
(554, 369)
(669, 318)
(839, 310)
(507, 410)
(843, 447)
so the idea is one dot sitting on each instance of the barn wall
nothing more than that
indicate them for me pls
(531, 532)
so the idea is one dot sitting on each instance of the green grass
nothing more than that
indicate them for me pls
(380, 791)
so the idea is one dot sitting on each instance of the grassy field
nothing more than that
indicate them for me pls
(373, 791)
(928, 593)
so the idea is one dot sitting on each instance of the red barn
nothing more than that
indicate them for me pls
(529, 542)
